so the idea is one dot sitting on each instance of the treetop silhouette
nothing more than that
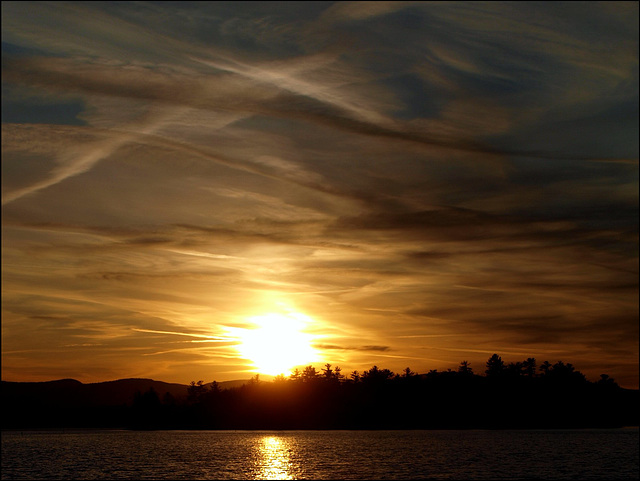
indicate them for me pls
(506, 396)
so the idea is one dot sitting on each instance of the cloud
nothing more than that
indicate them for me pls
(424, 180)
(76, 163)
(351, 348)
(346, 11)
(262, 92)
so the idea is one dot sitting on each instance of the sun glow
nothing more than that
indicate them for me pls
(277, 343)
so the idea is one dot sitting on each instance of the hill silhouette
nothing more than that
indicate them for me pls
(515, 395)
(70, 403)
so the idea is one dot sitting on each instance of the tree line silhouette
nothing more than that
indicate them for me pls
(514, 395)
(502, 395)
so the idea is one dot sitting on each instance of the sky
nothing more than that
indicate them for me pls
(191, 190)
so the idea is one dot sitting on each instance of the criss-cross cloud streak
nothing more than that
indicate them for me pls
(430, 182)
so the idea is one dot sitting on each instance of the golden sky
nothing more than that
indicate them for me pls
(196, 190)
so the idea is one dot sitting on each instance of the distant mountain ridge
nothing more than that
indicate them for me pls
(71, 392)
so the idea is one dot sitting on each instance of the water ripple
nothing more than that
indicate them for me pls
(545, 454)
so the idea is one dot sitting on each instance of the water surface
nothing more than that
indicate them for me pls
(451, 454)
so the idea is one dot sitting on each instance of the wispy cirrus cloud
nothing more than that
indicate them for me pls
(426, 180)
(78, 161)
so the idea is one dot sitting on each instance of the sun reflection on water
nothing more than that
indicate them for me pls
(275, 460)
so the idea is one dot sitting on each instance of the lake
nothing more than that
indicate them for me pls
(451, 454)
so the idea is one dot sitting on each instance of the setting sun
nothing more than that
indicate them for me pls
(277, 343)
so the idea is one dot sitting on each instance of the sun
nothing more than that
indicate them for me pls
(277, 343)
